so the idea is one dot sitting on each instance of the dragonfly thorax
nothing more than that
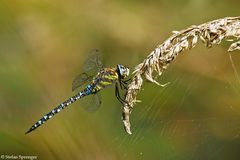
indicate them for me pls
(123, 71)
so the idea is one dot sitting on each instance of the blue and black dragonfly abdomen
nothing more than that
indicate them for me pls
(104, 78)
(57, 110)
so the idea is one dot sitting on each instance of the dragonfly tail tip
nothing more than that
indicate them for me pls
(30, 130)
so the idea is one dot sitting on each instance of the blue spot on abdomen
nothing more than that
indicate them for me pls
(89, 89)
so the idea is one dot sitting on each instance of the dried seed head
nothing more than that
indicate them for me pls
(210, 33)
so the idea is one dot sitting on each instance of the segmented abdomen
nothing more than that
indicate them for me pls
(63, 105)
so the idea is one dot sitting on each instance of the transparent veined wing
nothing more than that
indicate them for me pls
(93, 62)
(91, 67)
(81, 80)
(91, 103)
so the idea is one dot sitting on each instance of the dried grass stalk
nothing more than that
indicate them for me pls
(157, 61)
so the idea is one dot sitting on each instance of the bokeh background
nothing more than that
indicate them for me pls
(43, 45)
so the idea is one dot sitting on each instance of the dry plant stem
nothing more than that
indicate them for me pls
(157, 61)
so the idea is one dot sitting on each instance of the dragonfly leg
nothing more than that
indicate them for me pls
(127, 80)
(120, 84)
(117, 94)
(123, 85)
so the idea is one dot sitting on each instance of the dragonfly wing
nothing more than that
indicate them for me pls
(91, 103)
(92, 65)
(80, 80)
(93, 62)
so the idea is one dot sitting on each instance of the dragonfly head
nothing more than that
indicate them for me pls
(122, 71)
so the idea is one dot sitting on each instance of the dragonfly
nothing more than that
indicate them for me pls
(92, 84)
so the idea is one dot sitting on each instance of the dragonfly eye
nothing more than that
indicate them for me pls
(123, 71)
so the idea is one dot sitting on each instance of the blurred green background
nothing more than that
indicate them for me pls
(43, 45)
